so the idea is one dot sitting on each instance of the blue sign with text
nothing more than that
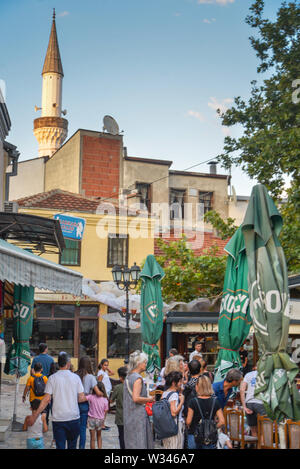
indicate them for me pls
(71, 227)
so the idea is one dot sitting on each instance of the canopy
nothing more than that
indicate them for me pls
(24, 268)
(234, 319)
(269, 306)
(151, 310)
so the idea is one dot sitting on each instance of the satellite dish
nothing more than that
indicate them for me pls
(110, 125)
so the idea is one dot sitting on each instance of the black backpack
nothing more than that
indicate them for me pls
(164, 424)
(189, 393)
(39, 386)
(206, 432)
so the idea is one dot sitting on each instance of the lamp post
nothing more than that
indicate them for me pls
(126, 279)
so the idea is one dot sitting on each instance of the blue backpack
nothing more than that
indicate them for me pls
(164, 424)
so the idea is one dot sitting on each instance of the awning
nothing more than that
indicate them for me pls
(24, 268)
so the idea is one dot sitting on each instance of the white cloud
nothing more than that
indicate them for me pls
(63, 13)
(218, 2)
(198, 115)
(206, 20)
(223, 105)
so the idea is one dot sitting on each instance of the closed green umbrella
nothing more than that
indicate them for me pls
(234, 318)
(269, 304)
(151, 311)
(18, 358)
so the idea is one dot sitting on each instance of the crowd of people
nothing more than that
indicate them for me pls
(80, 400)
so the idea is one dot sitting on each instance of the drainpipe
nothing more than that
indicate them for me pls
(13, 154)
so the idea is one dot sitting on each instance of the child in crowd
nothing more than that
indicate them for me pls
(98, 408)
(36, 389)
(35, 439)
(103, 376)
(117, 396)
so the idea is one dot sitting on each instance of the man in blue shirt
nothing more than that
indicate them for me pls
(223, 389)
(43, 358)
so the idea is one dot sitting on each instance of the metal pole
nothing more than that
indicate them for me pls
(127, 325)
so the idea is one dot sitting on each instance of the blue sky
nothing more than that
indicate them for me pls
(159, 67)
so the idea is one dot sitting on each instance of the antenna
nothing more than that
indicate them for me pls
(110, 125)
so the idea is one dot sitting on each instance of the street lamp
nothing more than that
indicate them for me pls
(126, 279)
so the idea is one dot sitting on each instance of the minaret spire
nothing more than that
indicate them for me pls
(51, 129)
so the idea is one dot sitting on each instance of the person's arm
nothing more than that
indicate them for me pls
(221, 420)
(175, 410)
(44, 402)
(45, 426)
(190, 416)
(136, 393)
(113, 396)
(243, 389)
(100, 377)
(81, 397)
(111, 373)
(97, 391)
(26, 391)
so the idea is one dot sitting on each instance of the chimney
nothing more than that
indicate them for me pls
(213, 167)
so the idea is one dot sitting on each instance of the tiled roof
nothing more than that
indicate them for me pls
(58, 199)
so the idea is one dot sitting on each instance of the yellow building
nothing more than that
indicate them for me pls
(74, 324)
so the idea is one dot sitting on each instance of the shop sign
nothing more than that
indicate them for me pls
(71, 227)
(195, 327)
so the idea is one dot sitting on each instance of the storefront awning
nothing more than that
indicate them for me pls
(24, 268)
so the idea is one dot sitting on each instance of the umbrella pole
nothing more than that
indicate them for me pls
(16, 426)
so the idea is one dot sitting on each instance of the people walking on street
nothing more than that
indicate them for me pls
(251, 405)
(36, 384)
(103, 376)
(117, 397)
(67, 390)
(204, 407)
(223, 389)
(44, 358)
(137, 428)
(89, 383)
(98, 408)
(35, 438)
(175, 397)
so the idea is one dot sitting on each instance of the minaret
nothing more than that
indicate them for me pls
(51, 129)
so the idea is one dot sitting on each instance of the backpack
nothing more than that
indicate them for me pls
(189, 393)
(164, 424)
(39, 386)
(206, 432)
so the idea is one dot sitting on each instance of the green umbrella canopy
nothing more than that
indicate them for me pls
(234, 318)
(151, 311)
(18, 357)
(269, 306)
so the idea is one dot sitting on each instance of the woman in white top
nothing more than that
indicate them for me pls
(103, 376)
(176, 400)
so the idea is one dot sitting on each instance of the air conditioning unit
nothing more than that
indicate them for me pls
(11, 207)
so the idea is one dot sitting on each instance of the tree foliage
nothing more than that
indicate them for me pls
(268, 149)
(188, 276)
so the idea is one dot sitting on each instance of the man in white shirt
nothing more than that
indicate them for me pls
(197, 351)
(66, 390)
(251, 405)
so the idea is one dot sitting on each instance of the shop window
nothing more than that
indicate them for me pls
(116, 343)
(117, 253)
(43, 310)
(71, 255)
(64, 311)
(205, 200)
(58, 335)
(89, 311)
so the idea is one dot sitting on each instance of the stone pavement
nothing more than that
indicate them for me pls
(17, 440)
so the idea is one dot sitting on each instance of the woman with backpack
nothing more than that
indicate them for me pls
(175, 398)
(204, 417)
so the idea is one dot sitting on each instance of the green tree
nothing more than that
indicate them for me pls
(188, 276)
(268, 149)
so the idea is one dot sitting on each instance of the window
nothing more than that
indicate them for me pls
(144, 194)
(116, 340)
(117, 253)
(71, 255)
(177, 204)
(205, 199)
